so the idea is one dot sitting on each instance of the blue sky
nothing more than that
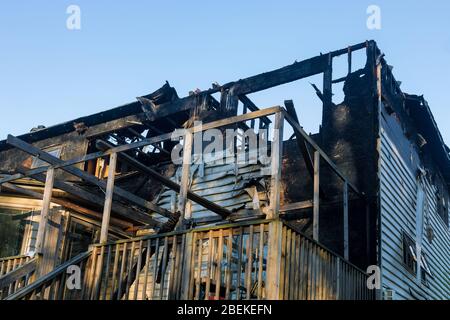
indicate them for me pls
(125, 49)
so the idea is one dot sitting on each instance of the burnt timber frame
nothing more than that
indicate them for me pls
(231, 94)
(281, 116)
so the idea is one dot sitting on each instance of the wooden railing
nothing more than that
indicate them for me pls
(312, 272)
(224, 263)
(53, 286)
(15, 273)
(8, 264)
(141, 269)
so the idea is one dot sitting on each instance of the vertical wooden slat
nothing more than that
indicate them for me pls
(122, 271)
(108, 262)
(219, 265)
(164, 267)
(261, 261)
(329, 276)
(346, 235)
(190, 275)
(186, 289)
(130, 267)
(287, 264)
(310, 260)
(229, 269)
(320, 272)
(199, 270)
(313, 271)
(192, 266)
(239, 267)
(180, 267)
(147, 267)
(293, 268)
(301, 268)
(274, 261)
(209, 266)
(173, 268)
(283, 262)
(155, 270)
(248, 277)
(338, 278)
(51, 291)
(316, 195)
(138, 271)
(98, 274)
(115, 267)
(91, 279)
(85, 278)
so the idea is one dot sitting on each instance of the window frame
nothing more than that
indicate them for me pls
(409, 250)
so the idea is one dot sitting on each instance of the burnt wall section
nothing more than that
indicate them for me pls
(71, 145)
(349, 137)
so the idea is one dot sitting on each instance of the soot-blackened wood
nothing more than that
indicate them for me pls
(287, 74)
(252, 107)
(224, 213)
(85, 176)
(117, 208)
(316, 196)
(90, 215)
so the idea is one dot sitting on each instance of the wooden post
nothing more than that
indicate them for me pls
(186, 267)
(277, 157)
(328, 84)
(108, 198)
(349, 60)
(186, 170)
(275, 241)
(346, 242)
(338, 278)
(46, 204)
(316, 195)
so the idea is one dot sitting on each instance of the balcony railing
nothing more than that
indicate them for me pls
(15, 273)
(233, 262)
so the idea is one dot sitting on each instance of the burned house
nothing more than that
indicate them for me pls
(358, 210)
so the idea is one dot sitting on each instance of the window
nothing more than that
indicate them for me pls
(12, 230)
(442, 206)
(37, 163)
(425, 270)
(409, 253)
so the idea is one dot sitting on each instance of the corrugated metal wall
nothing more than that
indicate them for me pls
(398, 189)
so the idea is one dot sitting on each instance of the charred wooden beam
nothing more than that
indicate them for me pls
(224, 213)
(252, 107)
(119, 209)
(156, 145)
(45, 156)
(70, 205)
(296, 71)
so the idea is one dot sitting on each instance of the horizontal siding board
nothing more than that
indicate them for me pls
(398, 210)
